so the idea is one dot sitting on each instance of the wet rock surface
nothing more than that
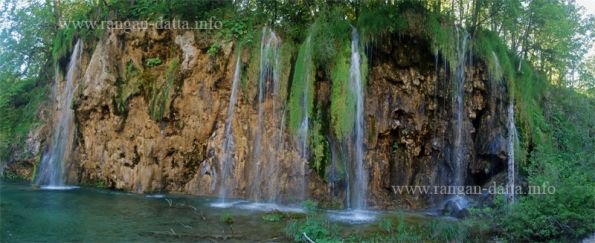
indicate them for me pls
(408, 114)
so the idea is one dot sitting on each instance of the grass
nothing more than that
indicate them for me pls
(391, 227)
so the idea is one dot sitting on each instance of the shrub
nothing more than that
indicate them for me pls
(274, 216)
(152, 62)
(315, 228)
(226, 218)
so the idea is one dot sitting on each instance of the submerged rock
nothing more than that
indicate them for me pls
(456, 206)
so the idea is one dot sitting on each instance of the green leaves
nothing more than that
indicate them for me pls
(151, 62)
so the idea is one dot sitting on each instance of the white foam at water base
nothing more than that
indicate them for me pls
(352, 216)
(270, 207)
(155, 196)
(224, 204)
(59, 188)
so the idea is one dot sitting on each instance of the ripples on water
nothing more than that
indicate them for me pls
(70, 214)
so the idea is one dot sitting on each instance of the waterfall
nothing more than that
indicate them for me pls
(359, 181)
(302, 135)
(512, 137)
(458, 109)
(54, 162)
(268, 135)
(303, 131)
(227, 162)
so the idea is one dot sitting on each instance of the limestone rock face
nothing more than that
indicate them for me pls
(182, 152)
(148, 126)
(409, 122)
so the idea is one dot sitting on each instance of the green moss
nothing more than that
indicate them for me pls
(249, 80)
(62, 43)
(377, 20)
(152, 62)
(226, 218)
(441, 33)
(274, 216)
(494, 52)
(161, 98)
(303, 81)
(214, 49)
(342, 97)
(327, 34)
(35, 166)
(320, 147)
(11, 176)
(286, 53)
(127, 88)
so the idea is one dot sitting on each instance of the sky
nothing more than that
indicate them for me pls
(588, 4)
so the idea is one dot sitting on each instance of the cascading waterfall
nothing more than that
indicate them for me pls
(54, 162)
(496, 75)
(356, 174)
(458, 110)
(512, 137)
(359, 181)
(265, 170)
(302, 135)
(227, 162)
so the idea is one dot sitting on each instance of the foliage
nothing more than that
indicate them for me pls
(152, 62)
(274, 216)
(214, 49)
(317, 228)
(11, 176)
(24, 71)
(587, 74)
(320, 146)
(561, 160)
(528, 44)
(393, 228)
(328, 35)
(155, 10)
(310, 205)
(226, 218)
(155, 92)
(491, 49)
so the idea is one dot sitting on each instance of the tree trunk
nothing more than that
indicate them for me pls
(475, 17)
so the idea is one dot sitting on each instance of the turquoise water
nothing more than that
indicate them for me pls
(91, 215)
(29, 214)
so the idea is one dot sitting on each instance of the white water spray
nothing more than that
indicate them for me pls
(55, 161)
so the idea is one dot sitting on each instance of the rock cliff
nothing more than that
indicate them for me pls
(151, 109)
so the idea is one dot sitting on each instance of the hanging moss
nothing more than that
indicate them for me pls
(286, 53)
(61, 46)
(494, 52)
(342, 97)
(249, 81)
(159, 102)
(127, 88)
(327, 34)
(303, 79)
(319, 146)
